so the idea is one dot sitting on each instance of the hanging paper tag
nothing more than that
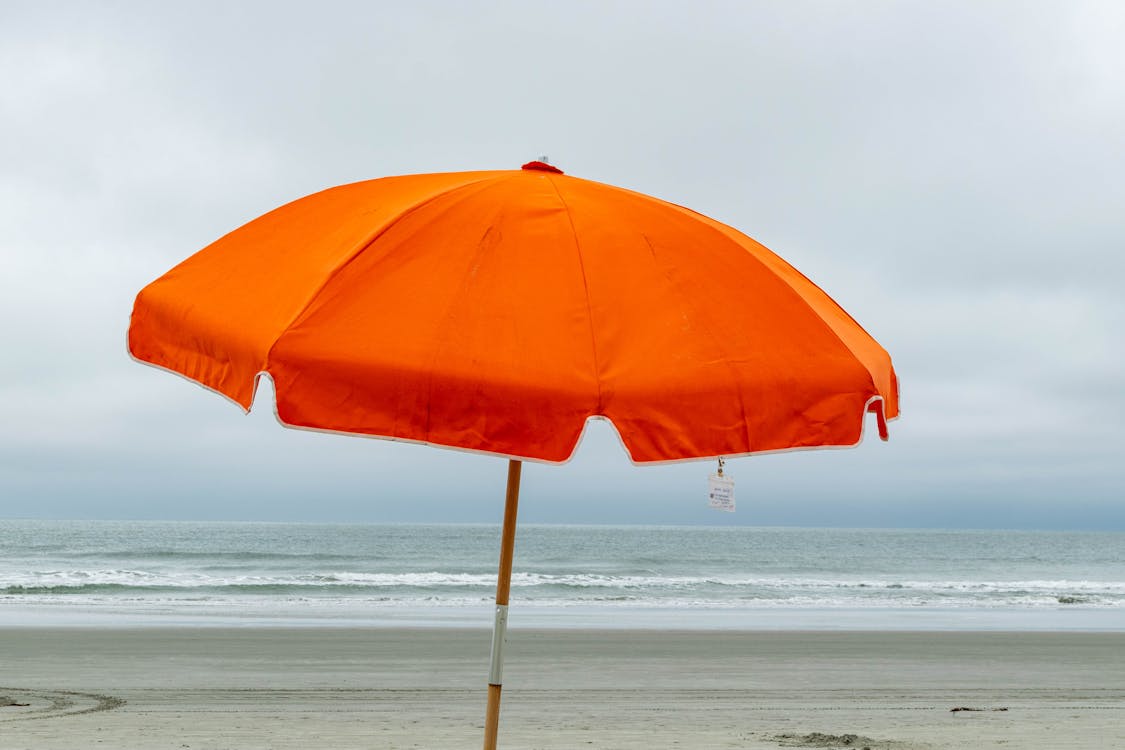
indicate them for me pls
(721, 492)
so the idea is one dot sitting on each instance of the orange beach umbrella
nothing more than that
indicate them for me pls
(498, 311)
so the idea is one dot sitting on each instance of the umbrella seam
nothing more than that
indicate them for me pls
(441, 337)
(712, 336)
(358, 251)
(586, 290)
(725, 231)
(710, 223)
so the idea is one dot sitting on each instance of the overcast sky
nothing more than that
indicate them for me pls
(952, 173)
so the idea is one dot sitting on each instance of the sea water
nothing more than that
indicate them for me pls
(179, 573)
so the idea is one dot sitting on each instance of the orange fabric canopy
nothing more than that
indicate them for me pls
(499, 310)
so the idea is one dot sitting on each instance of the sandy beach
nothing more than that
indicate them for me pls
(422, 688)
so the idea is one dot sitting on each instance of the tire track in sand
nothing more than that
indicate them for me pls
(21, 704)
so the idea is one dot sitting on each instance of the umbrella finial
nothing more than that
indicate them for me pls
(542, 165)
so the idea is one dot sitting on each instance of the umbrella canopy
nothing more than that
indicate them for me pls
(497, 311)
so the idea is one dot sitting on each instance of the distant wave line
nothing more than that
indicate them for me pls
(26, 581)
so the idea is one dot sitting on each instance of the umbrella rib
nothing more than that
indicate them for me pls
(586, 291)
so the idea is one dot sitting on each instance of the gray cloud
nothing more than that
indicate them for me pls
(950, 173)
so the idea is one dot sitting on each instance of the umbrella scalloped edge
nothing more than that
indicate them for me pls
(875, 405)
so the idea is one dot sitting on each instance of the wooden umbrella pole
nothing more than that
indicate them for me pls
(503, 587)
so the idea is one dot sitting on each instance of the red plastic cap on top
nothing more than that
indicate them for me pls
(542, 166)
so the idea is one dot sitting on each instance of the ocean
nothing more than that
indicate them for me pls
(106, 573)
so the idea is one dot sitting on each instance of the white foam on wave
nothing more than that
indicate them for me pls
(794, 591)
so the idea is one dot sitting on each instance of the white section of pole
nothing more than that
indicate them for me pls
(499, 633)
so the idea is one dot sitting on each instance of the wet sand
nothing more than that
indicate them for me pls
(423, 688)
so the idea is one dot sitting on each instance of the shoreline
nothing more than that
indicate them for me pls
(528, 616)
(249, 687)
